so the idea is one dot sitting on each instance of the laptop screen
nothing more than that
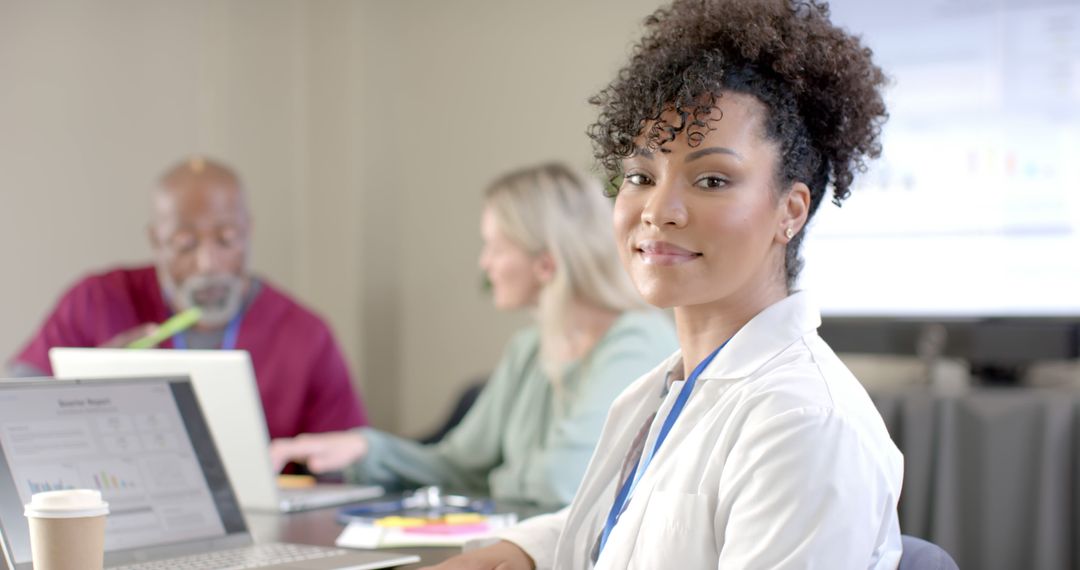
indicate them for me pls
(143, 443)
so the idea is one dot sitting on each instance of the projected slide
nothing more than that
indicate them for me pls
(973, 209)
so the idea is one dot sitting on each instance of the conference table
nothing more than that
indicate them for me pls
(320, 527)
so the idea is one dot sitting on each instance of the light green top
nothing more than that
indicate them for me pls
(511, 445)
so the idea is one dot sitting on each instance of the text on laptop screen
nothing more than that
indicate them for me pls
(128, 440)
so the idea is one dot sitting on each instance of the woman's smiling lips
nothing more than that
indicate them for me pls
(664, 253)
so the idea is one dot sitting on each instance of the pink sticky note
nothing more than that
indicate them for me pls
(448, 529)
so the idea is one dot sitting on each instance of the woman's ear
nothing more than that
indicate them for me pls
(544, 267)
(795, 208)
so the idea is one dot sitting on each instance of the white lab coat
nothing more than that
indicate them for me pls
(779, 460)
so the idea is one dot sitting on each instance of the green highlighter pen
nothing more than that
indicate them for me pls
(179, 322)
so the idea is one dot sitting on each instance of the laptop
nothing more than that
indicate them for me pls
(145, 444)
(225, 385)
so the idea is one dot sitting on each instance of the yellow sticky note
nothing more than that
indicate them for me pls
(464, 518)
(400, 522)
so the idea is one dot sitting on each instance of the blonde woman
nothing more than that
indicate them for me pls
(549, 248)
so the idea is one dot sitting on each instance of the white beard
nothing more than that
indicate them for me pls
(196, 291)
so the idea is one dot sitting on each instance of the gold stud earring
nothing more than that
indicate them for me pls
(790, 233)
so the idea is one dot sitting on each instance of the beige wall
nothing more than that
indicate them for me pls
(365, 130)
(97, 98)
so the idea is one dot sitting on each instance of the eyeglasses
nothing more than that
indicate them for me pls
(185, 242)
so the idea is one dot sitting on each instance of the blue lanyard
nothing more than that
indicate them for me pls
(228, 342)
(632, 479)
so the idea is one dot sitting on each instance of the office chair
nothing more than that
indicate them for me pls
(461, 407)
(922, 555)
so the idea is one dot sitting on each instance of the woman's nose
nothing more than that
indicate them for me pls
(665, 207)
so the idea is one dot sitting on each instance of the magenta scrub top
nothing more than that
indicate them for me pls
(303, 379)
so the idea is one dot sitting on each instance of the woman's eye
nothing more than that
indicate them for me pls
(712, 182)
(638, 179)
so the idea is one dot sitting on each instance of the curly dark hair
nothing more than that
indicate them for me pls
(820, 88)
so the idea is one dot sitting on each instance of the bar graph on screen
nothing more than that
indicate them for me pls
(42, 486)
(106, 481)
(53, 477)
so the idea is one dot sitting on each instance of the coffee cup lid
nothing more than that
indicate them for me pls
(66, 504)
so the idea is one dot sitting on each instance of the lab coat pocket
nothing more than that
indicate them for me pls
(676, 532)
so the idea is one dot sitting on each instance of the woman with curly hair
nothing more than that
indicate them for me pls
(753, 446)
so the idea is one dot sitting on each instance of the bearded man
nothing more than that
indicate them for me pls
(200, 237)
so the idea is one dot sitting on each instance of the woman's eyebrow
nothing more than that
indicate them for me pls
(712, 150)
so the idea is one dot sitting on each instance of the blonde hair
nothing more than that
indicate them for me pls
(556, 209)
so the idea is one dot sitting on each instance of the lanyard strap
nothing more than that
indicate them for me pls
(228, 341)
(627, 490)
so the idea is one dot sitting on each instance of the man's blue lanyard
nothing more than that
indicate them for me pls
(228, 341)
(632, 479)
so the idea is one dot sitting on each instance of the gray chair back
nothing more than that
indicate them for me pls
(922, 555)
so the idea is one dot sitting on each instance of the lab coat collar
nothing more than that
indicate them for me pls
(761, 339)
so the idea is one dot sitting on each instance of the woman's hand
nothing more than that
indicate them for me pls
(322, 452)
(504, 555)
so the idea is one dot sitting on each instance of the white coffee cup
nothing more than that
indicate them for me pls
(67, 529)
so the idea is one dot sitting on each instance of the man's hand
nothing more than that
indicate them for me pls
(504, 555)
(131, 335)
(322, 452)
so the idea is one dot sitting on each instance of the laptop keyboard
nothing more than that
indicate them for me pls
(258, 556)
